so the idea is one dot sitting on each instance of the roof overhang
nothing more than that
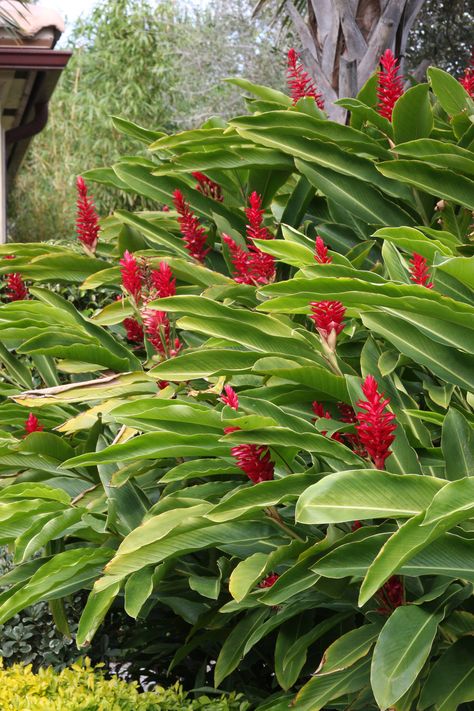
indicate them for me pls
(28, 76)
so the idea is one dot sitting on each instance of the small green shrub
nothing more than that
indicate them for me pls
(82, 687)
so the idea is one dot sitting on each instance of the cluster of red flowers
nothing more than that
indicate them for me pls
(468, 79)
(269, 581)
(32, 424)
(390, 84)
(419, 271)
(348, 416)
(299, 81)
(328, 318)
(208, 187)
(253, 459)
(145, 284)
(251, 265)
(321, 252)
(376, 424)
(194, 234)
(87, 220)
(391, 595)
(16, 287)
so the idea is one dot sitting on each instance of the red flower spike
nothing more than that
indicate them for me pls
(347, 412)
(157, 328)
(134, 330)
(165, 208)
(376, 427)
(193, 232)
(300, 83)
(16, 288)
(162, 280)
(254, 214)
(131, 276)
(391, 595)
(252, 266)
(467, 80)
(356, 525)
(208, 187)
(87, 219)
(419, 271)
(269, 581)
(230, 398)
(327, 317)
(390, 84)
(319, 411)
(321, 252)
(254, 460)
(32, 424)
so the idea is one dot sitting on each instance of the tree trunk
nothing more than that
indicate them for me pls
(343, 40)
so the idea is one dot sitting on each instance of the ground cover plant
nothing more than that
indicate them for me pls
(267, 426)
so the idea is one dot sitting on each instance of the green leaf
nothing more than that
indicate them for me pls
(450, 682)
(365, 494)
(138, 589)
(323, 688)
(97, 606)
(450, 93)
(349, 648)
(232, 650)
(457, 443)
(402, 648)
(202, 363)
(413, 103)
(259, 496)
(62, 575)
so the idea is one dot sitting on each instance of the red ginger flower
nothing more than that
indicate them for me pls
(390, 84)
(253, 459)
(163, 282)
(391, 595)
(131, 276)
(16, 288)
(254, 213)
(299, 81)
(252, 266)
(32, 424)
(193, 232)
(321, 252)
(269, 581)
(230, 398)
(158, 331)
(134, 330)
(208, 187)
(87, 220)
(376, 427)
(327, 317)
(467, 80)
(319, 411)
(419, 271)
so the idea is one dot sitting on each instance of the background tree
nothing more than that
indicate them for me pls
(161, 65)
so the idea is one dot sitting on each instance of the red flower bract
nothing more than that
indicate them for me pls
(254, 213)
(158, 331)
(208, 187)
(230, 398)
(193, 232)
(134, 330)
(391, 595)
(252, 266)
(419, 271)
(376, 426)
(321, 252)
(468, 79)
(16, 288)
(163, 282)
(254, 460)
(131, 275)
(328, 316)
(87, 220)
(32, 424)
(269, 581)
(299, 81)
(390, 84)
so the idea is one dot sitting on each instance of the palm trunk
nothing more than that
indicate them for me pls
(343, 40)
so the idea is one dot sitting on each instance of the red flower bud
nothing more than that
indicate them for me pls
(327, 317)
(230, 398)
(193, 232)
(321, 252)
(390, 84)
(208, 187)
(32, 424)
(299, 81)
(376, 426)
(131, 276)
(87, 220)
(16, 288)
(162, 280)
(419, 271)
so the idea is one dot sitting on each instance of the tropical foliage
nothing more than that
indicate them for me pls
(267, 426)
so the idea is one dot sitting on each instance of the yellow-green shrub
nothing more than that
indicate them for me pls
(84, 688)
